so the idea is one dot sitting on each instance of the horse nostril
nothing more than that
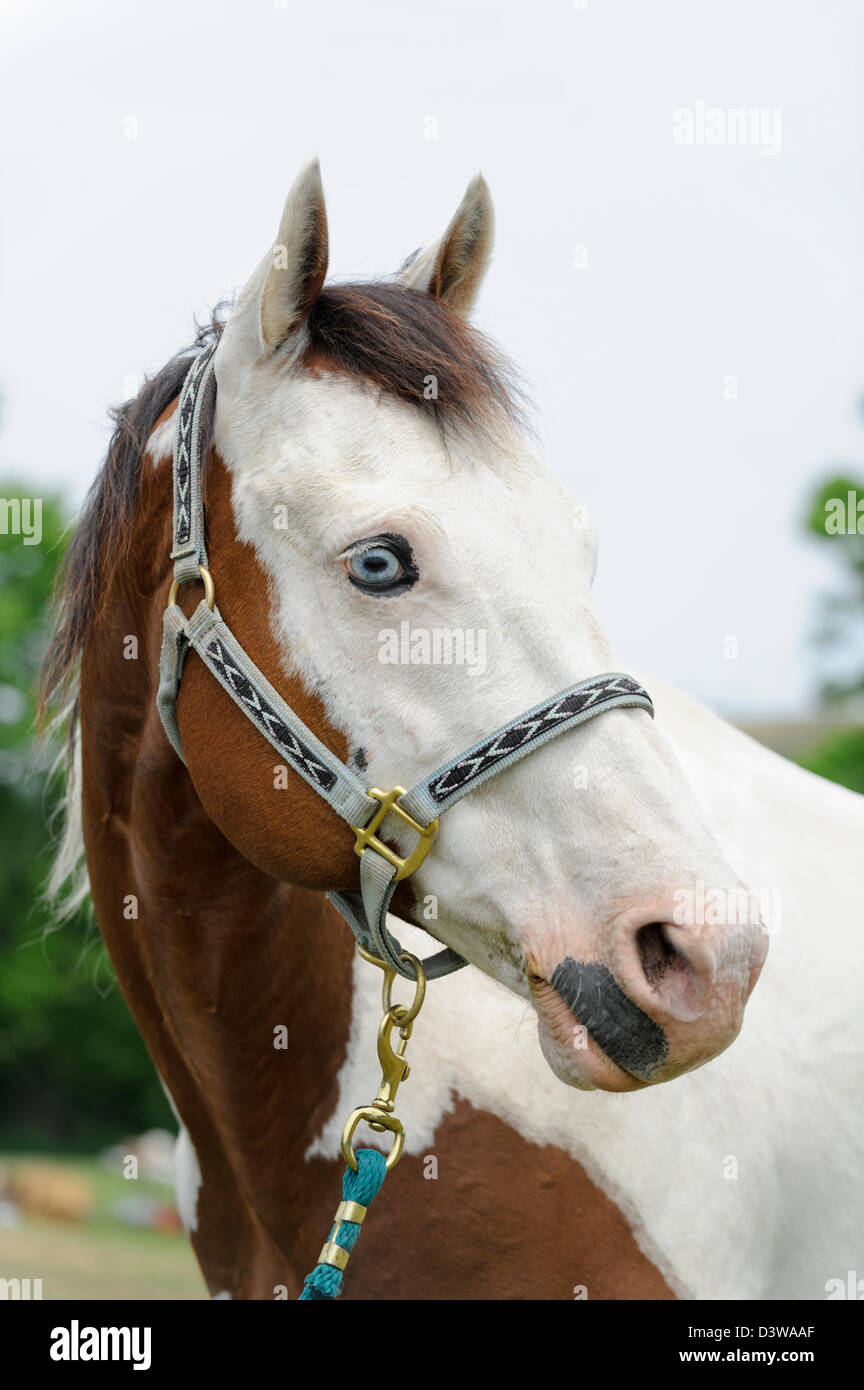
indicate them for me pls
(656, 952)
(669, 972)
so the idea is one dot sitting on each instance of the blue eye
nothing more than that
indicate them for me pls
(382, 564)
(377, 565)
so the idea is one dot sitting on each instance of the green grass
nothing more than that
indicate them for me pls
(83, 1262)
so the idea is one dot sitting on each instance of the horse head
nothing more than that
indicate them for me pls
(392, 550)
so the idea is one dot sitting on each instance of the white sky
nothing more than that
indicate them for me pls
(703, 261)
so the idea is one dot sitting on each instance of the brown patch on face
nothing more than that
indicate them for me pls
(288, 831)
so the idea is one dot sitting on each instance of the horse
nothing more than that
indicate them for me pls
(368, 471)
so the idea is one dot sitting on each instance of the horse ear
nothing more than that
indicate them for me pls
(299, 260)
(452, 268)
(274, 303)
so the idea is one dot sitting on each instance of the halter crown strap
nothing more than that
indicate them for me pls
(188, 550)
(367, 812)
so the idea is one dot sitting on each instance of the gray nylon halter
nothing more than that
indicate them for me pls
(365, 811)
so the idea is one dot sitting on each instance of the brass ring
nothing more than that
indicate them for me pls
(209, 588)
(405, 1014)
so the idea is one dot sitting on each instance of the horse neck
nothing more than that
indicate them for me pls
(215, 957)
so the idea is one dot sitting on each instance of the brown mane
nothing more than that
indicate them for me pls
(390, 336)
(102, 535)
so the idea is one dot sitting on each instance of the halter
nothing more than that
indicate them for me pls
(366, 811)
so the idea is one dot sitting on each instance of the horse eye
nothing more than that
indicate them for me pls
(382, 564)
(377, 565)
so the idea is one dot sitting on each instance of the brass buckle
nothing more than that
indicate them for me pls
(367, 839)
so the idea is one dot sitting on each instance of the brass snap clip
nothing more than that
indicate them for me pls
(394, 1068)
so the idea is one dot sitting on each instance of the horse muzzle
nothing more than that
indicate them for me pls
(667, 1000)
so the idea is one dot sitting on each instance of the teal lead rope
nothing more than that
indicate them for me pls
(367, 1168)
(358, 1189)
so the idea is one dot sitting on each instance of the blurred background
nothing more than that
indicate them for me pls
(678, 273)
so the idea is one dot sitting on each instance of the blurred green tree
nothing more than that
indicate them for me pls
(835, 514)
(73, 1070)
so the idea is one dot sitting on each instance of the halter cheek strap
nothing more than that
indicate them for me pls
(367, 812)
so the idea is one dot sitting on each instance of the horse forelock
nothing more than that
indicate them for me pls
(410, 346)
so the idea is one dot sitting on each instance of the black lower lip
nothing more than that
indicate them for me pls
(628, 1037)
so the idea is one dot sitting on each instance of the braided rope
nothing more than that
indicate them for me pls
(325, 1281)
